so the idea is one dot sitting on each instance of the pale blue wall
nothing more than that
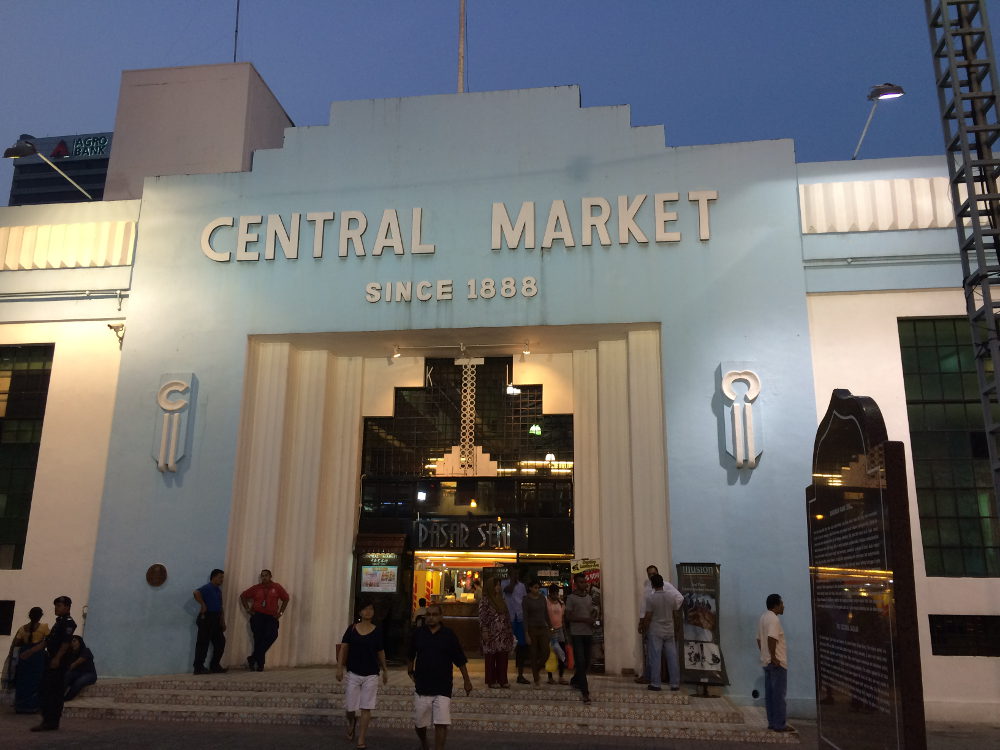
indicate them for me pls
(740, 296)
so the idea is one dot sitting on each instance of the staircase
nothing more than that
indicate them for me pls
(312, 696)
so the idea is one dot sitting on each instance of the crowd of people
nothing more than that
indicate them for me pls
(546, 632)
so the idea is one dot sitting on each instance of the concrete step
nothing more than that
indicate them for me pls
(529, 721)
(312, 696)
(707, 711)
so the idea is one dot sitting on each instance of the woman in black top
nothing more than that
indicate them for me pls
(81, 668)
(363, 654)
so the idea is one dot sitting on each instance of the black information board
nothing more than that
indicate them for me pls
(868, 681)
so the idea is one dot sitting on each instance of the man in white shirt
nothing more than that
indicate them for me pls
(774, 659)
(658, 625)
(647, 589)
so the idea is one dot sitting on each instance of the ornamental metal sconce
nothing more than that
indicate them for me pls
(743, 435)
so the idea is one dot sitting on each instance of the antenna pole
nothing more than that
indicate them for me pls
(236, 33)
(461, 46)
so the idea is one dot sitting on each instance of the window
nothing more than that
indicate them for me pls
(958, 517)
(24, 387)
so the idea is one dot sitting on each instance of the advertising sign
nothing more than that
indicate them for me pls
(591, 569)
(378, 579)
(700, 646)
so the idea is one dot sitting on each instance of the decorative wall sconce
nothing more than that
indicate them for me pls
(744, 442)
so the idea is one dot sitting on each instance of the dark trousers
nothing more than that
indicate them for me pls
(50, 696)
(775, 684)
(496, 668)
(538, 650)
(265, 633)
(209, 631)
(581, 660)
(77, 681)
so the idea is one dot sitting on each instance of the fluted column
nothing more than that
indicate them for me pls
(586, 468)
(338, 508)
(302, 458)
(651, 539)
(617, 526)
(257, 483)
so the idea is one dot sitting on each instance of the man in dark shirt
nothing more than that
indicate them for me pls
(433, 650)
(56, 644)
(211, 624)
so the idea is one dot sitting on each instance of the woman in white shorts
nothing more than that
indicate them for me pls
(363, 654)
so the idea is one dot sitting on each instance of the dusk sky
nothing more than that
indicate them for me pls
(708, 71)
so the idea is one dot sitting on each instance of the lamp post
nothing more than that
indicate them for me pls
(24, 147)
(877, 94)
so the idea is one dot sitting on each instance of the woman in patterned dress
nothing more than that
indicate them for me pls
(496, 634)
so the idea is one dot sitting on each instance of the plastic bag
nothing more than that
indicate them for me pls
(552, 663)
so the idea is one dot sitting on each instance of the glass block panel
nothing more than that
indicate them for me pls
(932, 561)
(24, 384)
(948, 359)
(930, 387)
(972, 533)
(951, 387)
(954, 562)
(927, 360)
(942, 474)
(945, 332)
(950, 535)
(975, 562)
(929, 532)
(926, 502)
(968, 504)
(924, 332)
(907, 334)
(946, 504)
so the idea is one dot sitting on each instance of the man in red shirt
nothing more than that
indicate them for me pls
(265, 604)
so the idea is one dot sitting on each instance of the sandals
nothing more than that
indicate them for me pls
(351, 727)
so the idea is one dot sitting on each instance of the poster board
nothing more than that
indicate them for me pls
(701, 645)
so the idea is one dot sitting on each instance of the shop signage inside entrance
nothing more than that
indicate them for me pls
(454, 533)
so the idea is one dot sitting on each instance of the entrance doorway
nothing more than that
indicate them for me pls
(464, 522)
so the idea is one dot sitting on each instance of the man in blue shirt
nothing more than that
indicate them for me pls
(211, 624)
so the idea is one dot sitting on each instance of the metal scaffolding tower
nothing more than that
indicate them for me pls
(964, 73)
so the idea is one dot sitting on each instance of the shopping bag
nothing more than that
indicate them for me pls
(552, 663)
(569, 657)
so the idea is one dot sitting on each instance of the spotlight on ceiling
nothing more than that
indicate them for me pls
(395, 352)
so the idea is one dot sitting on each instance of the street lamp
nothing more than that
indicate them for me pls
(877, 94)
(25, 147)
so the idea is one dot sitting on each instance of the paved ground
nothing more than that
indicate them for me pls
(122, 735)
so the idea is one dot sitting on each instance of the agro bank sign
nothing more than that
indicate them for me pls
(609, 221)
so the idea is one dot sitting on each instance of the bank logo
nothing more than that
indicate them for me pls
(173, 408)
(743, 436)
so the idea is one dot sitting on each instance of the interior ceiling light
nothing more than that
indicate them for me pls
(513, 390)
(526, 349)
(535, 430)
(473, 504)
(395, 352)
(550, 456)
